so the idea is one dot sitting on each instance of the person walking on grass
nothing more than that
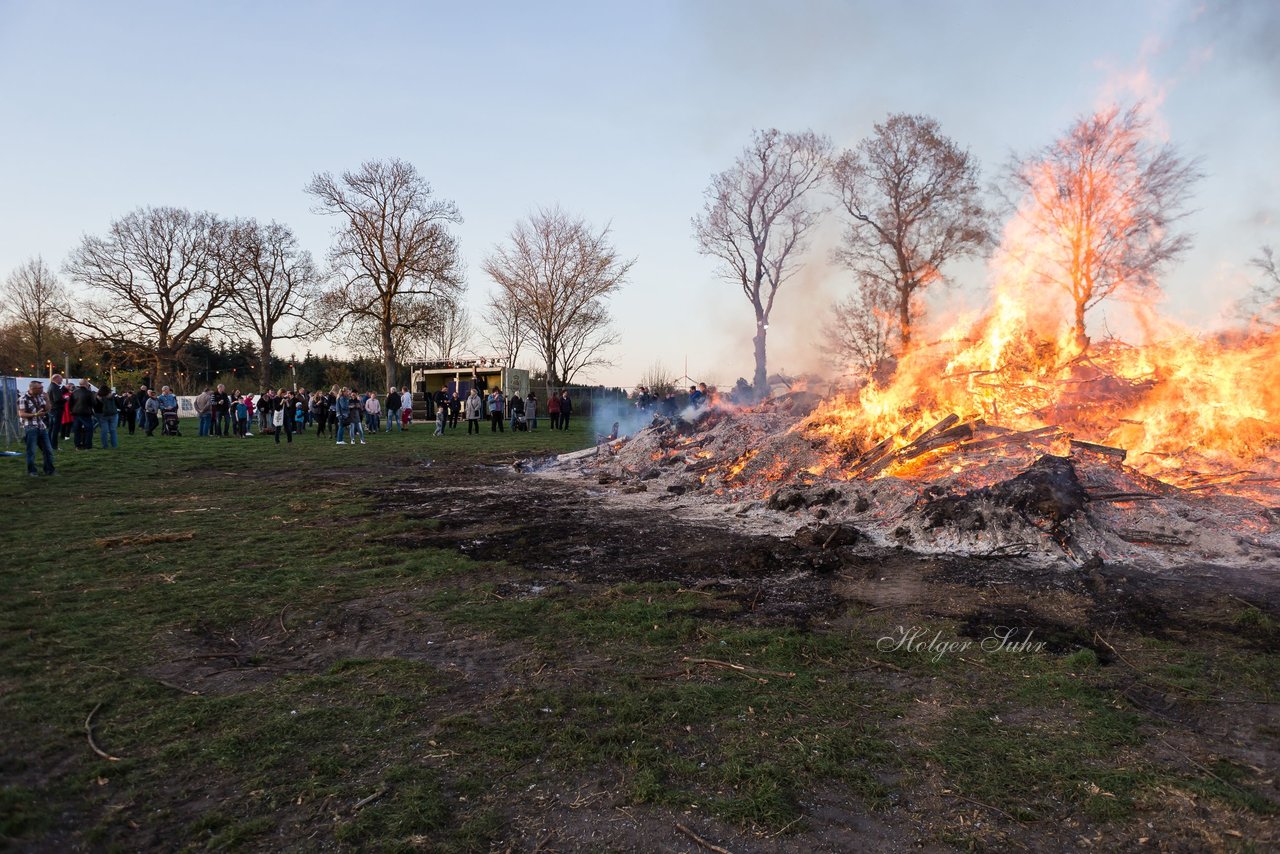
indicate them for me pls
(108, 409)
(393, 409)
(33, 414)
(474, 410)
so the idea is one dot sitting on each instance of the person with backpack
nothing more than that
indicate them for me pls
(108, 409)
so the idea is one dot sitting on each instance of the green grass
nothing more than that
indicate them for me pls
(621, 685)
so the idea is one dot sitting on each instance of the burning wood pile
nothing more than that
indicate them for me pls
(1120, 456)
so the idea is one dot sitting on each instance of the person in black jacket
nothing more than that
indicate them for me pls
(221, 412)
(566, 409)
(129, 408)
(57, 404)
(394, 404)
(83, 404)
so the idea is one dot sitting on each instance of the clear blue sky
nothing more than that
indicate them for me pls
(619, 112)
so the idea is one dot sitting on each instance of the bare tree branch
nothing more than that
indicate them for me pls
(36, 301)
(555, 276)
(1103, 202)
(913, 203)
(161, 280)
(756, 216)
(392, 251)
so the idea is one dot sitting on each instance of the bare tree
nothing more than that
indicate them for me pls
(393, 249)
(449, 335)
(555, 276)
(658, 379)
(913, 203)
(161, 281)
(862, 326)
(36, 301)
(756, 216)
(1262, 305)
(1102, 202)
(502, 327)
(279, 290)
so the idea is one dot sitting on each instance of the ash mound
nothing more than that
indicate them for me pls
(968, 489)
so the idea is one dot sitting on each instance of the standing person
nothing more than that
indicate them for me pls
(282, 416)
(222, 411)
(393, 409)
(355, 418)
(406, 414)
(455, 410)
(531, 410)
(108, 417)
(129, 406)
(515, 408)
(242, 416)
(341, 409)
(83, 401)
(320, 413)
(373, 409)
(153, 413)
(566, 409)
(442, 415)
(442, 398)
(496, 404)
(33, 414)
(553, 410)
(57, 407)
(204, 409)
(474, 411)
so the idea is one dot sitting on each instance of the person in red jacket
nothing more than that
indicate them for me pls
(553, 410)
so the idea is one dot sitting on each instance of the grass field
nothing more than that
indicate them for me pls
(272, 662)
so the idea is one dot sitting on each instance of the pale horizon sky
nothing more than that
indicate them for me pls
(619, 113)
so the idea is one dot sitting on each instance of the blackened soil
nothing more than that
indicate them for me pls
(564, 533)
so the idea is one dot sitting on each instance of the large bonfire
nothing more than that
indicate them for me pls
(1007, 432)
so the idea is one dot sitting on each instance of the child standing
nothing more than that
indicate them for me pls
(442, 413)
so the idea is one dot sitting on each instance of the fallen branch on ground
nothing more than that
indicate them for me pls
(364, 802)
(738, 667)
(710, 846)
(93, 745)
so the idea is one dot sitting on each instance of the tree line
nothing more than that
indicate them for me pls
(162, 282)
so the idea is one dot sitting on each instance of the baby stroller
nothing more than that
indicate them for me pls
(520, 422)
(169, 423)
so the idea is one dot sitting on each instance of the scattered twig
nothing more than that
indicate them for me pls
(710, 846)
(984, 805)
(738, 667)
(283, 628)
(364, 802)
(93, 745)
(537, 848)
(887, 665)
(178, 688)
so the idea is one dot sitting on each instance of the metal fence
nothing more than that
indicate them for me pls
(9, 395)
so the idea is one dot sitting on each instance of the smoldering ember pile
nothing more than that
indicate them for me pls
(1153, 457)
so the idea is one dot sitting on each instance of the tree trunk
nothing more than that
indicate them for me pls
(1081, 340)
(389, 354)
(761, 382)
(904, 318)
(264, 366)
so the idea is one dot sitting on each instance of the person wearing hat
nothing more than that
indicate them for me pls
(33, 408)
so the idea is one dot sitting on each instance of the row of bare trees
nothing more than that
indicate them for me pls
(1102, 203)
(394, 284)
